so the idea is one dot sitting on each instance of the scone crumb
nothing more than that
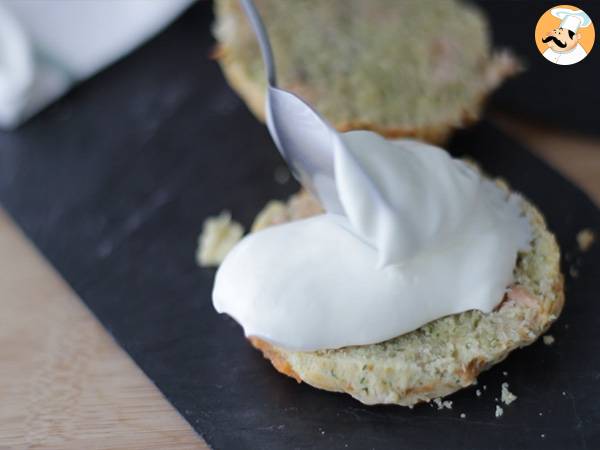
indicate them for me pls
(573, 272)
(463, 415)
(478, 393)
(585, 239)
(507, 396)
(505, 374)
(219, 235)
(548, 339)
(484, 387)
(499, 411)
(542, 435)
(442, 404)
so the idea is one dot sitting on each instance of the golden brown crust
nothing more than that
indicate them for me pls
(251, 92)
(276, 358)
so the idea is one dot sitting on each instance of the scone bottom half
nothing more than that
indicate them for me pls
(442, 356)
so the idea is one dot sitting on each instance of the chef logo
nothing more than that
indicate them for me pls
(564, 35)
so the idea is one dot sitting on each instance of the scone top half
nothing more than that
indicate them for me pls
(401, 68)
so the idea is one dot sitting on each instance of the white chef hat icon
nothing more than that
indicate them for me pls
(571, 19)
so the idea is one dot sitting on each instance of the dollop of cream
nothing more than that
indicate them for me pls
(422, 236)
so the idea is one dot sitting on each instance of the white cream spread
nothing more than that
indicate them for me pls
(423, 236)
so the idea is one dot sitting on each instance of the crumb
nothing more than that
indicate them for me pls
(463, 415)
(478, 393)
(484, 387)
(541, 414)
(499, 411)
(507, 396)
(505, 374)
(281, 175)
(573, 272)
(219, 235)
(322, 432)
(542, 435)
(564, 394)
(548, 339)
(495, 399)
(585, 239)
(442, 404)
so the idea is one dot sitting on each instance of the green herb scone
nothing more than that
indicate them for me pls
(412, 68)
(442, 356)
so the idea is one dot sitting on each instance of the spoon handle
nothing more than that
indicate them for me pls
(263, 39)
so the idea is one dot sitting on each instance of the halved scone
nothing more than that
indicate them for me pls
(444, 355)
(416, 68)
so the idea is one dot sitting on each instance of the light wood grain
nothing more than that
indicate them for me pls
(575, 156)
(64, 383)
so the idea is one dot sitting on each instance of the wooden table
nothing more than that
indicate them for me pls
(64, 383)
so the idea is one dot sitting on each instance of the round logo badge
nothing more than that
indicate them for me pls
(565, 35)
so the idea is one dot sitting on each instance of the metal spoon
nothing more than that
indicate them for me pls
(305, 140)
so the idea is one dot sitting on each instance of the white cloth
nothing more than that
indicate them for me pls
(566, 58)
(48, 46)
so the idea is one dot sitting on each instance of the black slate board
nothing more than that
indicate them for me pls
(113, 184)
(558, 96)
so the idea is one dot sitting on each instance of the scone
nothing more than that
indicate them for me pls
(417, 68)
(442, 356)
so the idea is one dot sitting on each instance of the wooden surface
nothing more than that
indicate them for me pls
(64, 383)
(576, 157)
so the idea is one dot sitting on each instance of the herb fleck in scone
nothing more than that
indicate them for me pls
(402, 68)
(442, 356)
